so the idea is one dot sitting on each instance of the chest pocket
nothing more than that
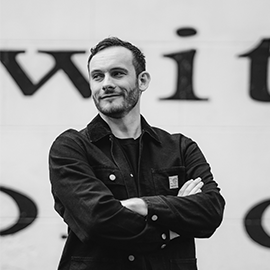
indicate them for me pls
(113, 179)
(168, 181)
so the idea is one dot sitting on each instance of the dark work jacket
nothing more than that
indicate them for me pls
(89, 174)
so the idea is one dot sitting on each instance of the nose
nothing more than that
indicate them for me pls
(108, 83)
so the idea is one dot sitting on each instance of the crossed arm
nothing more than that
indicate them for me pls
(122, 223)
(139, 206)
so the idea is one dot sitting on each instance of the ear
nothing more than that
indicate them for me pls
(144, 79)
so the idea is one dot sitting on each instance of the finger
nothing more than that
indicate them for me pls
(196, 188)
(190, 187)
(198, 191)
(193, 186)
(197, 180)
(186, 184)
(184, 187)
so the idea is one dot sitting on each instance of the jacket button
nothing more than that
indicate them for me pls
(163, 236)
(131, 258)
(154, 217)
(112, 177)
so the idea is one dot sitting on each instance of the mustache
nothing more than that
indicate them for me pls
(112, 92)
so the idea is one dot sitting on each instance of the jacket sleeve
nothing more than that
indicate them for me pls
(197, 215)
(88, 206)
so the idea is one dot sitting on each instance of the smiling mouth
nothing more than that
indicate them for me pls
(110, 96)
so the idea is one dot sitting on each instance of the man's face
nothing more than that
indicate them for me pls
(113, 81)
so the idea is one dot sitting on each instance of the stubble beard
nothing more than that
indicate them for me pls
(130, 99)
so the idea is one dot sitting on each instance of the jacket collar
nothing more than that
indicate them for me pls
(98, 129)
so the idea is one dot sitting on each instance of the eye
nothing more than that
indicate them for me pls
(97, 76)
(118, 74)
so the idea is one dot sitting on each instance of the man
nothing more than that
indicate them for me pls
(133, 196)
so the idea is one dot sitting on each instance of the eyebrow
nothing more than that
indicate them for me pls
(113, 69)
(95, 71)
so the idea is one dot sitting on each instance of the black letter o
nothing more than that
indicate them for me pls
(27, 208)
(253, 224)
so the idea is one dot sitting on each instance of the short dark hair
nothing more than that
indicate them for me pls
(138, 57)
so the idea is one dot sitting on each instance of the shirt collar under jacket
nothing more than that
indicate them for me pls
(98, 129)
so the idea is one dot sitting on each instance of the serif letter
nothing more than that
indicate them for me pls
(259, 72)
(184, 60)
(63, 62)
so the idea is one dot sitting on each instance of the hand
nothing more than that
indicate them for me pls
(136, 205)
(191, 187)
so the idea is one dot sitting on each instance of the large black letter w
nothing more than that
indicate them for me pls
(62, 62)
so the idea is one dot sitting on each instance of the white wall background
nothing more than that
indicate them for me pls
(232, 129)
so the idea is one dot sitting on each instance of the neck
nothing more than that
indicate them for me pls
(127, 127)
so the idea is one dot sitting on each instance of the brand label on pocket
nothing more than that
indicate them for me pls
(173, 181)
